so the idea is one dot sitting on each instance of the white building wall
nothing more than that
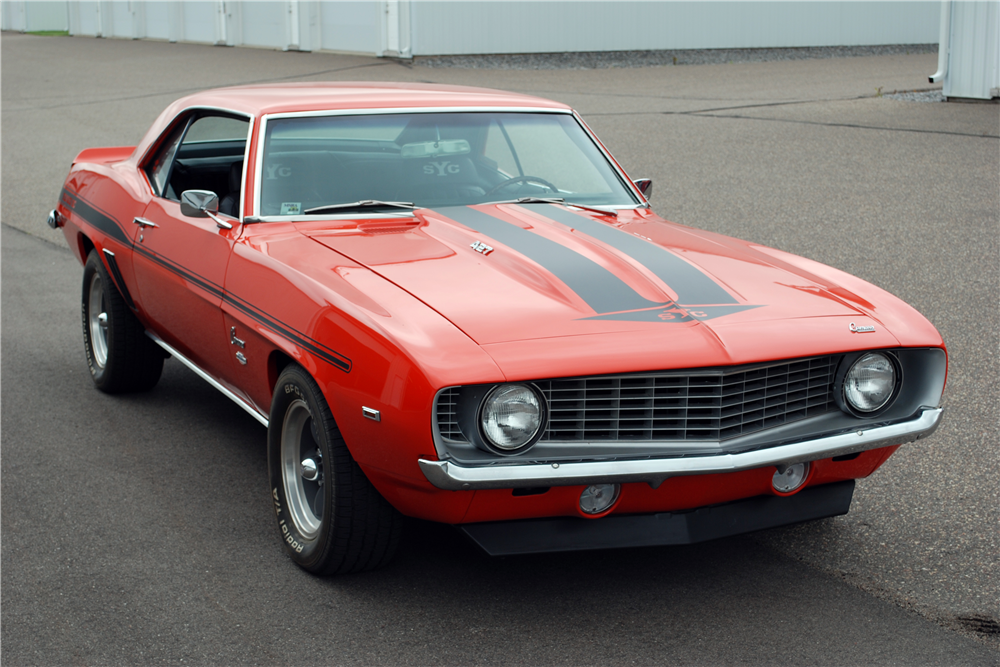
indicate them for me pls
(351, 26)
(31, 16)
(157, 20)
(973, 63)
(441, 27)
(265, 24)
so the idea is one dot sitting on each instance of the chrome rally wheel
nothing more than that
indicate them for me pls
(97, 321)
(330, 517)
(302, 469)
(120, 355)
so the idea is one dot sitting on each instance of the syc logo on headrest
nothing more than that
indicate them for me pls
(442, 168)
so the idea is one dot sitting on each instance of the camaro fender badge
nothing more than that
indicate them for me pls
(863, 329)
(481, 248)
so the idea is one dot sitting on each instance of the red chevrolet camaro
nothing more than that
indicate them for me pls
(453, 304)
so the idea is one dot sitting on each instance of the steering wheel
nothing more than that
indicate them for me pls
(522, 179)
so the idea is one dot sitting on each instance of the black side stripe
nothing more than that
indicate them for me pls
(692, 286)
(101, 220)
(602, 290)
(203, 283)
(117, 275)
(323, 352)
(297, 338)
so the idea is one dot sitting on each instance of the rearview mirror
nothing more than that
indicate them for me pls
(435, 148)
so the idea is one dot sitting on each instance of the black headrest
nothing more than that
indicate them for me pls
(442, 170)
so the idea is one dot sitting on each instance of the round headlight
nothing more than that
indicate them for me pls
(870, 382)
(511, 416)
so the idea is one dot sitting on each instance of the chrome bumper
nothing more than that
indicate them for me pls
(453, 477)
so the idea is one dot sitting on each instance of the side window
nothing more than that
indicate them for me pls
(158, 169)
(209, 129)
(205, 153)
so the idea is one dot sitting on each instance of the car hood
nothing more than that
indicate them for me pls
(506, 273)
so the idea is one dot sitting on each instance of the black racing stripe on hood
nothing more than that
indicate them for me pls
(691, 285)
(602, 290)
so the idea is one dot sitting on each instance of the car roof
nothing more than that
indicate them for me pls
(319, 96)
(280, 98)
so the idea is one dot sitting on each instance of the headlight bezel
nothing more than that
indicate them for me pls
(847, 364)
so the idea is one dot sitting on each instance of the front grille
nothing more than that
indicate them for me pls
(707, 405)
(447, 415)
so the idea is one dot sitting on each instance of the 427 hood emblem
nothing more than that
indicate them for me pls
(481, 247)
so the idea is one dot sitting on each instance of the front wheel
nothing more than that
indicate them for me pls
(120, 355)
(330, 517)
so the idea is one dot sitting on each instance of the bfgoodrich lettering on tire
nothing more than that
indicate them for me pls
(120, 355)
(330, 518)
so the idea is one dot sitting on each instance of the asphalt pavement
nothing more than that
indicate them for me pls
(137, 529)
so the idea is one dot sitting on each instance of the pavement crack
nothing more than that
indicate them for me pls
(857, 126)
(181, 91)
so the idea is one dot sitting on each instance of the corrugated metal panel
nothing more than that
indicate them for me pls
(32, 16)
(120, 20)
(974, 58)
(264, 24)
(440, 27)
(158, 20)
(12, 15)
(351, 26)
(199, 22)
(86, 19)
(46, 16)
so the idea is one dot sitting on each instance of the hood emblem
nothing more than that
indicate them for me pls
(862, 329)
(481, 248)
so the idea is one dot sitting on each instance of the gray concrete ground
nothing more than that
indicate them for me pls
(137, 524)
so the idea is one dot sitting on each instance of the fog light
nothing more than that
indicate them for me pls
(597, 498)
(791, 478)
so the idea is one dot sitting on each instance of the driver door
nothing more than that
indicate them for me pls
(179, 261)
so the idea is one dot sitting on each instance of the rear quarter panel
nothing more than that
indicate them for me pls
(98, 202)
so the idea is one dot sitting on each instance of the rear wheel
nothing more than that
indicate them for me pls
(331, 518)
(120, 355)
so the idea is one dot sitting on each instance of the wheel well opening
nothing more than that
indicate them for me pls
(275, 364)
(86, 245)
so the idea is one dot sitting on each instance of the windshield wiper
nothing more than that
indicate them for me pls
(364, 203)
(556, 200)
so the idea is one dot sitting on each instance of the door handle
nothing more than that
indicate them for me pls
(142, 222)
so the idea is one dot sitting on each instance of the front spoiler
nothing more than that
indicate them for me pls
(453, 477)
(508, 538)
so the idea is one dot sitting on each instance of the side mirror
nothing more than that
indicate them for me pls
(645, 186)
(199, 203)
(202, 204)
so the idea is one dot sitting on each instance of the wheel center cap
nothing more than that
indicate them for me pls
(310, 471)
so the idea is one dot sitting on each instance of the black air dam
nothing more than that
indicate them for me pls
(509, 538)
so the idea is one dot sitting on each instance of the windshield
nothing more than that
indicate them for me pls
(432, 159)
